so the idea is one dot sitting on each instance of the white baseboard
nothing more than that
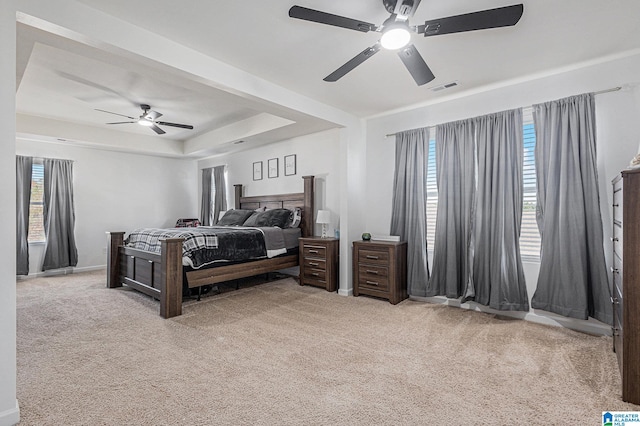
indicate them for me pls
(10, 417)
(589, 326)
(62, 271)
(347, 292)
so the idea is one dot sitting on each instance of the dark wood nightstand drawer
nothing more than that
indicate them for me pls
(374, 256)
(313, 263)
(315, 251)
(315, 274)
(372, 272)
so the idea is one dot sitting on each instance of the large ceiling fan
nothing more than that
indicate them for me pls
(149, 119)
(396, 32)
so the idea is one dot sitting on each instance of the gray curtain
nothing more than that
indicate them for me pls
(59, 215)
(573, 280)
(409, 214)
(220, 192)
(498, 276)
(24, 166)
(453, 246)
(205, 209)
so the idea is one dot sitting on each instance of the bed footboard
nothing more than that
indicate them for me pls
(157, 275)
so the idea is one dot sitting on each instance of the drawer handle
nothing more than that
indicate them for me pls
(315, 274)
(372, 272)
(616, 205)
(372, 257)
(372, 282)
(150, 261)
(615, 239)
(313, 251)
(313, 263)
(614, 270)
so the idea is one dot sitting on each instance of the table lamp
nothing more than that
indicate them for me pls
(323, 218)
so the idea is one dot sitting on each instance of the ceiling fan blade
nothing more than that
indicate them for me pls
(152, 115)
(157, 129)
(416, 65)
(482, 20)
(115, 113)
(353, 62)
(182, 126)
(123, 122)
(312, 15)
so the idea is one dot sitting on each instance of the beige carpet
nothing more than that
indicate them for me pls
(281, 354)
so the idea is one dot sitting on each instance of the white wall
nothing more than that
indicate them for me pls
(618, 135)
(9, 410)
(116, 191)
(317, 154)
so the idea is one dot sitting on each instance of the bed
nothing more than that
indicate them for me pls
(161, 275)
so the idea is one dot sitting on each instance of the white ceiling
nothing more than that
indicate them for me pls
(65, 80)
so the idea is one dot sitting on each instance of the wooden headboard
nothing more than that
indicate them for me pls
(303, 200)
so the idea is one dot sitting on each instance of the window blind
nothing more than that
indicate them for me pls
(529, 235)
(36, 206)
(432, 191)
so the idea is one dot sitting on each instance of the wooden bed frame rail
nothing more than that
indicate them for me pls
(161, 275)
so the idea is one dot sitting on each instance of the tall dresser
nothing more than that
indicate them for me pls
(626, 281)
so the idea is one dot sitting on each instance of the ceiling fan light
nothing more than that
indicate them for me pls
(395, 37)
(145, 122)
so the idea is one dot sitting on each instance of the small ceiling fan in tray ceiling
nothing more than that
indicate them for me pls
(149, 118)
(396, 32)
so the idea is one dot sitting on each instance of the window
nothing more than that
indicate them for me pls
(432, 191)
(36, 207)
(529, 235)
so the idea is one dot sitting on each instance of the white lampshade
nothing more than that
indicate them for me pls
(324, 216)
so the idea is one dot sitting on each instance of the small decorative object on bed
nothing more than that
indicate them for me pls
(155, 261)
(290, 165)
(187, 223)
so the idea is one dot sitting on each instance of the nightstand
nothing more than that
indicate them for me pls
(380, 269)
(319, 262)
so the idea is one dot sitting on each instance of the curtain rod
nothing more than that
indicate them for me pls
(48, 158)
(613, 89)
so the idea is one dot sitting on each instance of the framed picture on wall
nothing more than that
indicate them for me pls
(257, 170)
(272, 168)
(289, 165)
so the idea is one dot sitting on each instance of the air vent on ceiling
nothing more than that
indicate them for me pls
(444, 86)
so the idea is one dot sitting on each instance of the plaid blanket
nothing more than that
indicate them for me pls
(205, 245)
(148, 239)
